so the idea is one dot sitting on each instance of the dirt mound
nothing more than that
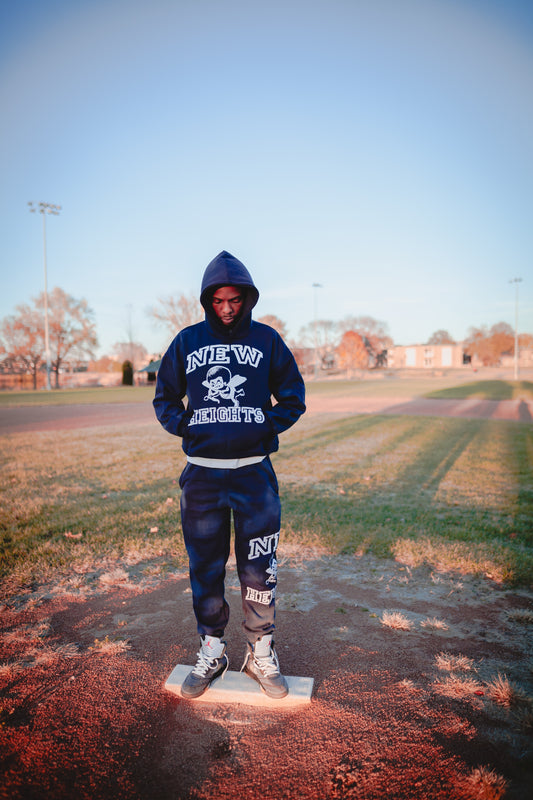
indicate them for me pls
(421, 684)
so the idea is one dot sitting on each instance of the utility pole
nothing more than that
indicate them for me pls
(315, 287)
(44, 209)
(516, 281)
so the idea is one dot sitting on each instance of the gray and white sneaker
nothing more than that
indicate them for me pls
(261, 663)
(212, 662)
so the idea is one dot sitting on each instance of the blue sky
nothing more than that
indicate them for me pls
(383, 149)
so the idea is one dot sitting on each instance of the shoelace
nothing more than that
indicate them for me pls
(269, 665)
(204, 664)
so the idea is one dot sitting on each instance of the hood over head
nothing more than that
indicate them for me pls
(226, 270)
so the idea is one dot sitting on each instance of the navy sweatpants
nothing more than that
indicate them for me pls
(208, 499)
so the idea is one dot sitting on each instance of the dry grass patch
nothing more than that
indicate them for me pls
(409, 685)
(455, 685)
(502, 691)
(68, 650)
(461, 557)
(47, 656)
(396, 620)
(485, 784)
(30, 634)
(9, 670)
(459, 687)
(522, 615)
(434, 624)
(453, 663)
(110, 647)
(116, 577)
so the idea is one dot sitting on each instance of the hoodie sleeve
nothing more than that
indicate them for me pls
(171, 388)
(287, 387)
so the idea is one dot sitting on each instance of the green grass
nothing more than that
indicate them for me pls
(64, 397)
(375, 384)
(453, 494)
(384, 384)
(450, 493)
(112, 488)
(487, 390)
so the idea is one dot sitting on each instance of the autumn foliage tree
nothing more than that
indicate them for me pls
(374, 333)
(104, 364)
(489, 345)
(352, 352)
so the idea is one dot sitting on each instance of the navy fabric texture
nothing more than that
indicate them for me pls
(229, 377)
(209, 498)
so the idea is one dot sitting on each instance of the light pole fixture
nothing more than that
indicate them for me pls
(44, 209)
(315, 287)
(516, 281)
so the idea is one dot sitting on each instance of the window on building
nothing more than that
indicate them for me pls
(410, 357)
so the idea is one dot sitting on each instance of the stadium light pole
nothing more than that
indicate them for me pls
(44, 209)
(315, 287)
(516, 281)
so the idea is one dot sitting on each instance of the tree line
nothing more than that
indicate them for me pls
(72, 334)
(353, 343)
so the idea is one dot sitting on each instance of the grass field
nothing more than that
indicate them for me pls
(455, 385)
(60, 397)
(454, 494)
(486, 390)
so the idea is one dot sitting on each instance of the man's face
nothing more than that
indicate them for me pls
(227, 304)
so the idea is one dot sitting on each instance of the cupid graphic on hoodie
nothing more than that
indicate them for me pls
(228, 375)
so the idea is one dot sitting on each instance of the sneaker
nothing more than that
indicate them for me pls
(261, 663)
(212, 662)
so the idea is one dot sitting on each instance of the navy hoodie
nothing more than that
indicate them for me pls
(229, 376)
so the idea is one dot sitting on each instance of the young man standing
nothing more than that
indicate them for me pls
(230, 367)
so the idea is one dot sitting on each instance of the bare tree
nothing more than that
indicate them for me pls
(276, 323)
(441, 337)
(72, 332)
(322, 336)
(72, 329)
(323, 332)
(176, 313)
(22, 340)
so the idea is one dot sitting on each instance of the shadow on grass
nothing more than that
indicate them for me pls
(350, 512)
(333, 433)
(486, 390)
